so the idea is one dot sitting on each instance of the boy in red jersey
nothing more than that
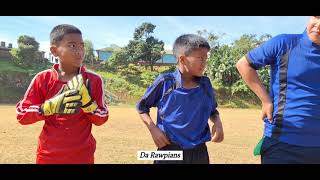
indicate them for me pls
(68, 111)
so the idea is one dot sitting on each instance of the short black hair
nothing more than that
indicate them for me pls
(58, 32)
(186, 43)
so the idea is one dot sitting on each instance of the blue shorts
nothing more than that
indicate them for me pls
(276, 152)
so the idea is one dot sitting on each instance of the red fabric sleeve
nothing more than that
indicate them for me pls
(28, 108)
(101, 114)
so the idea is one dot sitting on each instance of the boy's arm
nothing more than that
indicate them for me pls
(28, 109)
(250, 76)
(266, 54)
(217, 133)
(158, 136)
(150, 99)
(101, 114)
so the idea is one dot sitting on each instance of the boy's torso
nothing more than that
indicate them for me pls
(183, 113)
(64, 136)
(295, 89)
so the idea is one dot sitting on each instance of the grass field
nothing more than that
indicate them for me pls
(9, 66)
(119, 139)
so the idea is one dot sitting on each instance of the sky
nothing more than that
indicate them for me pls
(105, 30)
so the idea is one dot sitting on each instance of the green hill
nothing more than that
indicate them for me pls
(15, 80)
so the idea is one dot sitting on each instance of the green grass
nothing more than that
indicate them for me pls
(8, 92)
(238, 103)
(107, 74)
(10, 66)
(7, 66)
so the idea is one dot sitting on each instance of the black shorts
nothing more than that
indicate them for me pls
(196, 155)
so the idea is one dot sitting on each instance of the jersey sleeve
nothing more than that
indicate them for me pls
(101, 114)
(27, 109)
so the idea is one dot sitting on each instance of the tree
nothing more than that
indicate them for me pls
(27, 40)
(143, 31)
(88, 49)
(211, 38)
(221, 64)
(27, 52)
(246, 43)
(119, 58)
(144, 47)
(15, 58)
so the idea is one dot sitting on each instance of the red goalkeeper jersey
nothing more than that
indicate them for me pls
(64, 139)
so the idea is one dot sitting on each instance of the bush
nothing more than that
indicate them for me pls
(148, 77)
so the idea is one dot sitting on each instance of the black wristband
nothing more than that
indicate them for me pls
(88, 104)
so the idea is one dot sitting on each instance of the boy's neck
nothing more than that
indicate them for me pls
(187, 79)
(67, 71)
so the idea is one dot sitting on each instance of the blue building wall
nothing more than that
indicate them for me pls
(167, 58)
(104, 55)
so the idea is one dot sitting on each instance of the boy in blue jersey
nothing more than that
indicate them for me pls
(291, 111)
(185, 100)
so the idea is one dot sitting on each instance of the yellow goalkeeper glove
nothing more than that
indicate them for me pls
(67, 102)
(77, 83)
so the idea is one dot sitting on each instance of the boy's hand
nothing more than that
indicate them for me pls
(67, 102)
(87, 103)
(217, 134)
(267, 110)
(159, 137)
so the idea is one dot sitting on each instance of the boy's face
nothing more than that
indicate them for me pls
(70, 50)
(196, 62)
(313, 29)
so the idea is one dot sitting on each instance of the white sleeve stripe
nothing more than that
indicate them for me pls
(35, 107)
(95, 112)
(101, 111)
(32, 110)
(105, 115)
(27, 110)
(19, 112)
